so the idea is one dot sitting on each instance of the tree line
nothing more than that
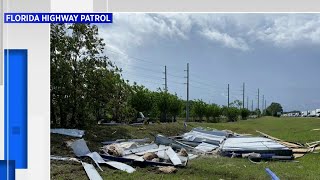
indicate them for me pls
(86, 87)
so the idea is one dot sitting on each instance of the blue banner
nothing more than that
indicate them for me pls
(58, 17)
(7, 170)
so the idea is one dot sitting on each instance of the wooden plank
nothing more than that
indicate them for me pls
(285, 143)
(298, 155)
(300, 150)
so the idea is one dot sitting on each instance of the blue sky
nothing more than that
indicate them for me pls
(277, 53)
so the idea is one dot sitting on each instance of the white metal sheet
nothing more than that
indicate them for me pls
(205, 147)
(91, 171)
(173, 156)
(69, 132)
(252, 143)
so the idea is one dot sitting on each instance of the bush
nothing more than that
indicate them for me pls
(231, 113)
(213, 111)
(245, 114)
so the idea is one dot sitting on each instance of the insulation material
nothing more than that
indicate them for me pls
(113, 149)
(168, 169)
(149, 156)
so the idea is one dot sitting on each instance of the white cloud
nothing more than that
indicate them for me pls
(234, 31)
(290, 30)
(133, 30)
(225, 39)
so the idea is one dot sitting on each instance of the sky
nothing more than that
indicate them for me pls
(275, 53)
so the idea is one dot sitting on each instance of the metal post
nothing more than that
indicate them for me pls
(258, 99)
(187, 107)
(165, 79)
(252, 105)
(228, 96)
(243, 95)
(263, 104)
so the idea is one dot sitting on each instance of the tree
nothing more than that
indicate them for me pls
(199, 108)
(231, 113)
(244, 114)
(236, 103)
(141, 99)
(175, 106)
(85, 85)
(162, 102)
(214, 111)
(274, 109)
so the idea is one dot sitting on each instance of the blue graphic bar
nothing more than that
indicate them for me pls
(7, 170)
(58, 17)
(15, 106)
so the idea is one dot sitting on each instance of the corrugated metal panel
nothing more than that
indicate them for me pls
(205, 147)
(173, 156)
(91, 171)
(251, 143)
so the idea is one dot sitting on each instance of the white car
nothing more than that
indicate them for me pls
(317, 112)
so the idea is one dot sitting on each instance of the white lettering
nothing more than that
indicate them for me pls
(44, 17)
(75, 17)
(82, 17)
(8, 17)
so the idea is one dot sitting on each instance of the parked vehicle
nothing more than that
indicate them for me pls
(318, 112)
(312, 113)
(304, 113)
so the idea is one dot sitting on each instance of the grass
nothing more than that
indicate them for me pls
(209, 167)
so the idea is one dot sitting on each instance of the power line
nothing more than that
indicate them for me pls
(146, 60)
(135, 58)
(169, 74)
(142, 68)
(144, 75)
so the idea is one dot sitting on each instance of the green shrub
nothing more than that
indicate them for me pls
(244, 114)
(231, 113)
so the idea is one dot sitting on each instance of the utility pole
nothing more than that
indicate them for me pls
(228, 96)
(243, 86)
(248, 102)
(265, 105)
(262, 104)
(258, 99)
(165, 79)
(252, 105)
(187, 105)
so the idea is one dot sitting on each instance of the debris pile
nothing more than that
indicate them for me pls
(168, 153)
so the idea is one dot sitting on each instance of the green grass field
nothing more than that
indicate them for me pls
(208, 167)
